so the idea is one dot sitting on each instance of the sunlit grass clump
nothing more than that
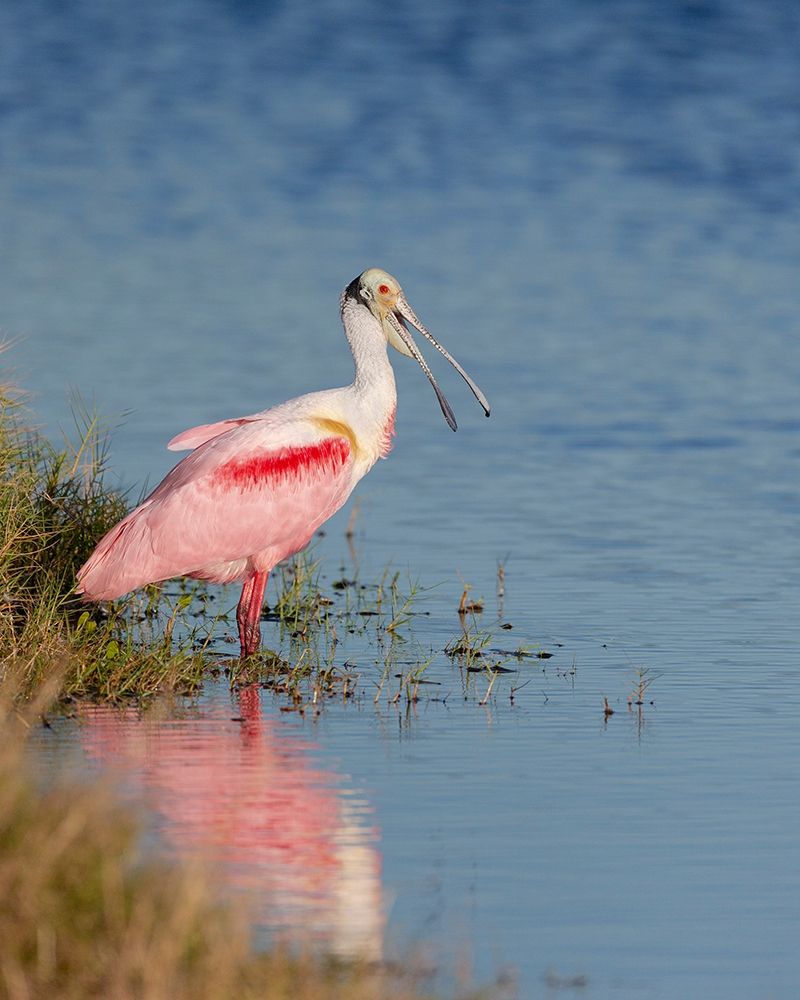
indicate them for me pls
(54, 506)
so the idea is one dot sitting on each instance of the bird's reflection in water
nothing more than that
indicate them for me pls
(248, 797)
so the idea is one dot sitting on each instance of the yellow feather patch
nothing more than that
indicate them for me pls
(340, 430)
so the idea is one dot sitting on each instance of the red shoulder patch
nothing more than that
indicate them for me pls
(327, 458)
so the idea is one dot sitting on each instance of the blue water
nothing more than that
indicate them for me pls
(595, 207)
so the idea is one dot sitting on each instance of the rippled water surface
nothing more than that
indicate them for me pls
(595, 207)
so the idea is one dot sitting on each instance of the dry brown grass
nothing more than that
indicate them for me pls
(85, 914)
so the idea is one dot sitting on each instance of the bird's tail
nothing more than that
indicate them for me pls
(122, 561)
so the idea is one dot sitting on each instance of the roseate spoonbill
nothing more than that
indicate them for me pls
(255, 489)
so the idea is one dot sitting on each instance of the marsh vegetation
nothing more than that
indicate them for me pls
(165, 638)
(368, 642)
(87, 911)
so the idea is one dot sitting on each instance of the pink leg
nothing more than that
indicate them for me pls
(248, 613)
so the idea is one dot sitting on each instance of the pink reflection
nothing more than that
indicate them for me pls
(244, 796)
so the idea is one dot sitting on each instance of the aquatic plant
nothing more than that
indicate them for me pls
(644, 677)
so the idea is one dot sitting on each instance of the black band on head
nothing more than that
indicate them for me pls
(353, 290)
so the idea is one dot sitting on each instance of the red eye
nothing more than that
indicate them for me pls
(383, 289)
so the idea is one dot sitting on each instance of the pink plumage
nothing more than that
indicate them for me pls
(256, 488)
(221, 514)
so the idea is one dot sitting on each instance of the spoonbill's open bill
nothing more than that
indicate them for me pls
(255, 489)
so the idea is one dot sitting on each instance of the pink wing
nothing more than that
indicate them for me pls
(244, 500)
(196, 436)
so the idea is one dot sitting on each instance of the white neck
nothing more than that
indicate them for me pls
(372, 397)
(373, 388)
(368, 345)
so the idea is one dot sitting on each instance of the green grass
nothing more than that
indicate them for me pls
(54, 506)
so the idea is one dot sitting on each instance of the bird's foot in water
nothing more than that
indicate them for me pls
(249, 640)
(255, 664)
